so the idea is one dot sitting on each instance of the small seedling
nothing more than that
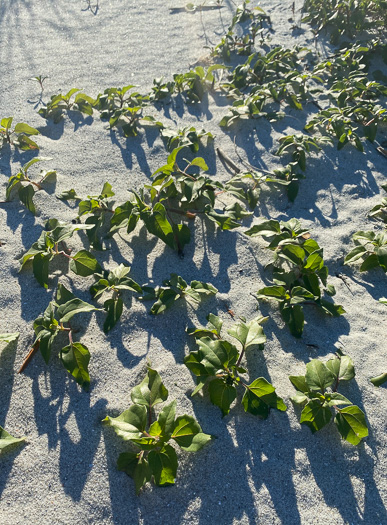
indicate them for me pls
(40, 80)
(371, 248)
(174, 289)
(298, 271)
(51, 244)
(154, 457)
(26, 187)
(56, 319)
(194, 84)
(115, 282)
(317, 390)
(59, 104)
(217, 363)
(18, 136)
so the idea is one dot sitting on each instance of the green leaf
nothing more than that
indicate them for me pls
(299, 383)
(222, 394)
(372, 261)
(315, 415)
(294, 317)
(76, 306)
(273, 292)
(114, 309)
(75, 358)
(342, 368)
(63, 295)
(40, 264)
(318, 376)
(379, 380)
(165, 423)
(266, 229)
(188, 434)
(198, 161)
(6, 440)
(84, 264)
(351, 424)
(68, 195)
(136, 466)
(8, 337)
(25, 128)
(163, 465)
(150, 391)
(248, 334)
(334, 398)
(260, 396)
(130, 424)
(26, 194)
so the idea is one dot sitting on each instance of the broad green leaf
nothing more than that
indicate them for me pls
(260, 392)
(315, 415)
(151, 391)
(272, 292)
(342, 368)
(351, 424)
(114, 309)
(222, 394)
(40, 265)
(75, 358)
(266, 229)
(372, 261)
(25, 128)
(379, 380)
(335, 399)
(198, 161)
(299, 398)
(6, 440)
(216, 322)
(293, 253)
(8, 337)
(299, 383)
(130, 424)
(215, 355)
(63, 295)
(248, 334)
(318, 376)
(136, 466)
(84, 264)
(188, 434)
(73, 307)
(26, 194)
(294, 317)
(163, 465)
(165, 423)
(166, 299)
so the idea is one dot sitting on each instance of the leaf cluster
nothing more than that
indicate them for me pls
(18, 136)
(299, 272)
(217, 363)
(154, 458)
(59, 104)
(317, 393)
(371, 249)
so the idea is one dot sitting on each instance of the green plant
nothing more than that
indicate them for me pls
(154, 457)
(188, 136)
(56, 319)
(26, 187)
(379, 380)
(113, 281)
(18, 136)
(379, 211)
(6, 440)
(217, 363)
(161, 90)
(173, 289)
(177, 193)
(317, 392)
(345, 16)
(99, 211)
(51, 244)
(195, 83)
(298, 146)
(59, 104)
(40, 80)
(298, 272)
(371, 248)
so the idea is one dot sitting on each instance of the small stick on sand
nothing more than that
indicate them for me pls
(29, 356)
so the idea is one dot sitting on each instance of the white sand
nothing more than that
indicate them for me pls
(257, 471)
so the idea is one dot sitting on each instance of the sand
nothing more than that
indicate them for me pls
(272, 471)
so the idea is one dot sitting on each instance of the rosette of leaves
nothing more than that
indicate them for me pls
(153, 457)
(173, 289)
(99, 211)
(195, 83)
(113, 282)
(26, 187)
(6, 440)
(217, 363)
(371, 249)
(173, 195)
(51, 244)
(379, 211)
(298, 272)
(317, 393)
(19, 136)
(56, 319)
(60, 104)
(188, 136)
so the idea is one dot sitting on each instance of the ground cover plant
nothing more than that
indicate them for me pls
(317, 393)
(154, 457)
(18, 136)
(217, 365)
(299, 272)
